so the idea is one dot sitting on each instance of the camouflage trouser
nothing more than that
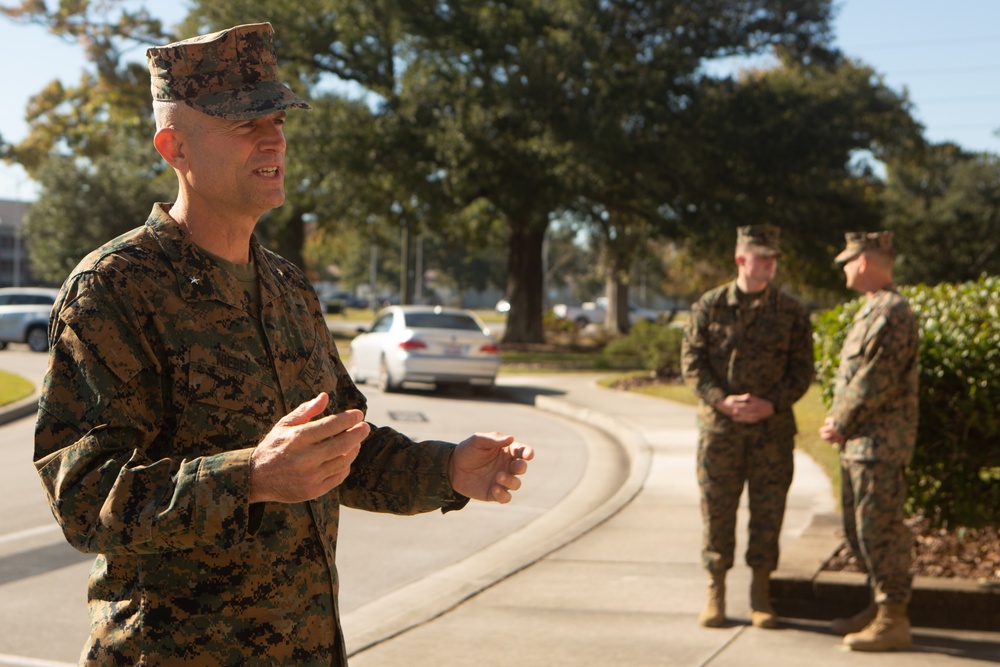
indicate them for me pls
(725, 462)
(873, 495)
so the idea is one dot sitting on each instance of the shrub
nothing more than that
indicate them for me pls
(655, 347)
(954, 478)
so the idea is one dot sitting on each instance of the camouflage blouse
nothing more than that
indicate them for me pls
(875, 402)
(160, 383)
(768, 354)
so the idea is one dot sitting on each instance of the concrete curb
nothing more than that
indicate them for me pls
(596, 498)
(19, 409)
(800, 588)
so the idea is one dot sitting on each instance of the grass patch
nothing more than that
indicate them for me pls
(528, 359)
(13, 388)
(672, 392)
(809, 415)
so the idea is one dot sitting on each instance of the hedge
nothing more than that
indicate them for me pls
(656, 347)
(954, 478)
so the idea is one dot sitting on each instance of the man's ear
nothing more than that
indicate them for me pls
(169, 145)
(862, 263)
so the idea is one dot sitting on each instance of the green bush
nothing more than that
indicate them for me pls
(954, 478)
(655, 347)
(556, 326)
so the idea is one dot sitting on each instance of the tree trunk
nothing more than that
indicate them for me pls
(524, 286)
(616, 319)
(620, 251)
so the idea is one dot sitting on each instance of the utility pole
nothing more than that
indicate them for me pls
(404, 263)
(418, 273)
(17, 254)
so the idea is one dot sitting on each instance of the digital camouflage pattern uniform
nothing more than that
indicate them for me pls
(165, 371)
(163, 376)
(759, 344)
(875, 407)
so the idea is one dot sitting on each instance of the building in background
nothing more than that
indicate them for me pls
(14, 266)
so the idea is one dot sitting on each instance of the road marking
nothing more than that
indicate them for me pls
(25, 534)
(407, 416)
(21, 661)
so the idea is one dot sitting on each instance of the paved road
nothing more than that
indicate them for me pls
(43, 581)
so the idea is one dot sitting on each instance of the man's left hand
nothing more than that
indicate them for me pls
(753, 410)
(486, 466)
(828, 431)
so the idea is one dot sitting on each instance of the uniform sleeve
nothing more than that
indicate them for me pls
(800, 366)
(393, 473)
(888, 349)
(102, 408)
(695, 364)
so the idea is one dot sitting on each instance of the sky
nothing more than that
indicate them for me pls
(945, 54)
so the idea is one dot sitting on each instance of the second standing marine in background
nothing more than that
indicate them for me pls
(873, 422)
(748, 355)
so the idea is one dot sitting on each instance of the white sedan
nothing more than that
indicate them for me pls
(24, 316)
(429, 344)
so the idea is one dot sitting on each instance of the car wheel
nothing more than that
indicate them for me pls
(38, 339)
(386, 382)
(582, 322)
(3, 345)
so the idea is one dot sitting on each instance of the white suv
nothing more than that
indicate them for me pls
(24, 316)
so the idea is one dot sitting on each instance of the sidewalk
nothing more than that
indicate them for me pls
(611, 576)
(627, 590)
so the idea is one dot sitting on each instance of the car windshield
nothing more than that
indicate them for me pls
(441, 321)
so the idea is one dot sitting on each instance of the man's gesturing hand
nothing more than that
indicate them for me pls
(302, 458)
(485, 466)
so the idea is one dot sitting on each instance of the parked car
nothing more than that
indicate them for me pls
(430, 344)
(24, 316)
(592, 312)
(337, 302)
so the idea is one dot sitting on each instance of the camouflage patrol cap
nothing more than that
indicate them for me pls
(859, 242)
(230, 74)
(759, 239)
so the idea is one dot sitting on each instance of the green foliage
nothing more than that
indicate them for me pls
(557, 326)
(87, 203)
(944, 207)
(954, 473)
(782, 146)
(656, 347)
(463, 118)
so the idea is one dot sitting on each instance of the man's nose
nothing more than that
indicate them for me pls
(274, 138)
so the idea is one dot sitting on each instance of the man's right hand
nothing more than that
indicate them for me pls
(745, 408)
(302, 458)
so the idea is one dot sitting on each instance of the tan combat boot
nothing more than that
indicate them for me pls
(762, 614)
(856, 623)
(889, 631)
(714, 613)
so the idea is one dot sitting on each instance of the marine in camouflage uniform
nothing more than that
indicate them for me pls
(168, 367)
(873, 419)
(740, 344)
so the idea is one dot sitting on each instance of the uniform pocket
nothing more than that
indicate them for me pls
(860, 449)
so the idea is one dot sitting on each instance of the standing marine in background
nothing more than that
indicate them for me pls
(873, 420)
(748, 355)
